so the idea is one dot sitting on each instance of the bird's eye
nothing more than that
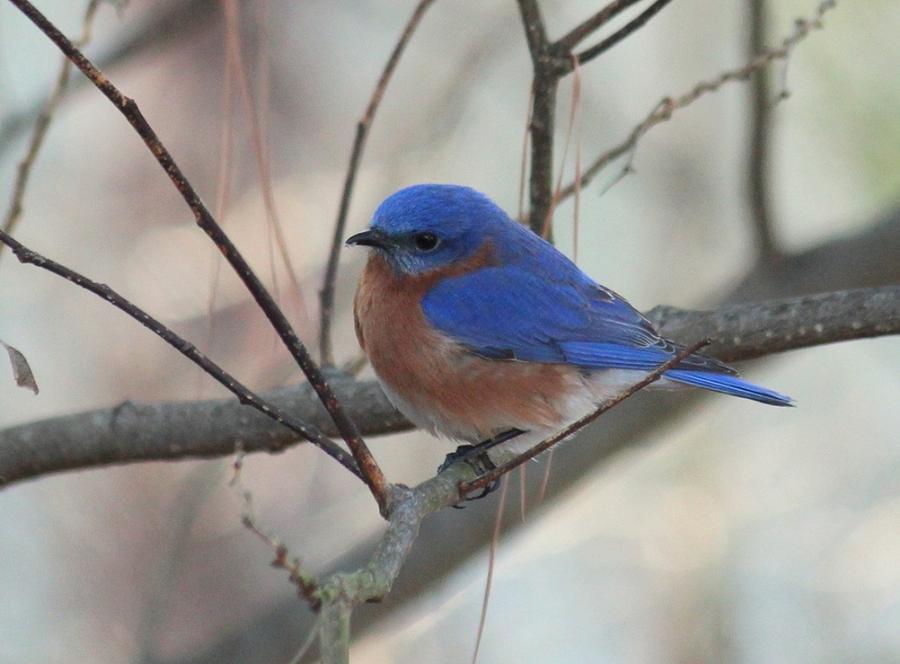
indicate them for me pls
(425, 241)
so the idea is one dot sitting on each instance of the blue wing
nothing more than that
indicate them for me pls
(563, 317)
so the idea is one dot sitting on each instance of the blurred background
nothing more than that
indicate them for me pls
(732, 533)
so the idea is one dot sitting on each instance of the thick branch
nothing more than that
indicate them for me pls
(130, 433)
(342, 591)
(543, 111)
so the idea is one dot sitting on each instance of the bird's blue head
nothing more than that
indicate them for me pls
(429, 226)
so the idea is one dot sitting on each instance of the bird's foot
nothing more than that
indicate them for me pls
(477, 457)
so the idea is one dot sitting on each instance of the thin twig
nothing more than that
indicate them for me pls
(367, 465)
(244, 394)
(627, 30)
(42, 124)
(667, 106)
(760, 137)
(326, 295)
(574, 107)
(491, 476)
(307, 585)
(582, 31)
(258, 137)
(223, 187)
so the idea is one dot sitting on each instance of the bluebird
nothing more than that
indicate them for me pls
(476, 326)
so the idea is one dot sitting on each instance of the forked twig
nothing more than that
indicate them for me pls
(491, 476)
(326, 295)
(667, 106)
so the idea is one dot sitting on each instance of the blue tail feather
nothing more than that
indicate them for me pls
(727, 384)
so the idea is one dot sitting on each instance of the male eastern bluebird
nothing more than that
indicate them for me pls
(474, 325)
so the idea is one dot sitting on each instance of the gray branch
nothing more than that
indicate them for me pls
(132, 432)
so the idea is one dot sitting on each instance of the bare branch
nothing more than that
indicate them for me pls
(342, 591)
(368, 466)
(535, 30)
(307, 585)
(543, 112)
(667, 106)
(211, 428)
(326, 295)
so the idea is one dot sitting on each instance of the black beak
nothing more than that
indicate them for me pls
(369, 238)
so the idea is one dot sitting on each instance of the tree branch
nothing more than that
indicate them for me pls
(543, 110)
(211, 428)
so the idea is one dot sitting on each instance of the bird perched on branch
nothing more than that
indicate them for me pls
(476, 326)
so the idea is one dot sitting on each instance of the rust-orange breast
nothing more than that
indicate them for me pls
(451, 390)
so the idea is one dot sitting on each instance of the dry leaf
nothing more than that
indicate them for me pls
(21, 370)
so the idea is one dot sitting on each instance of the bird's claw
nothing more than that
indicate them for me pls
(478, 459)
